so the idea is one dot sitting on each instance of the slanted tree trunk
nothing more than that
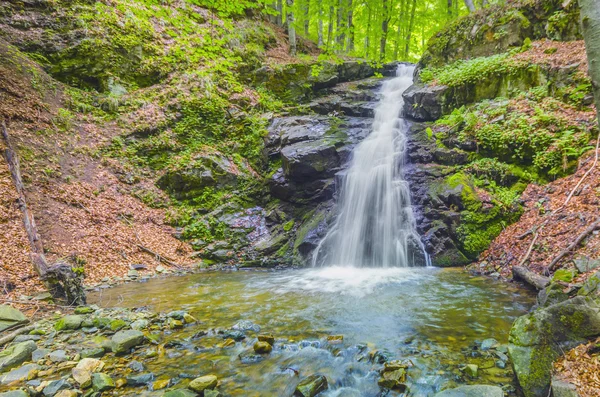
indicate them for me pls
(411, 25)
(590, 22)
(350, 15)
(60, 279)
(470, 5)
(290, 26)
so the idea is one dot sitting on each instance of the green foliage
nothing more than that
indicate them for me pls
(528, 130)
(472, 70)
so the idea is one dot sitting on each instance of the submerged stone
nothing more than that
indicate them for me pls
(471, 370)
(393, 380)
(55, 386)
(102, 382)
(262, 348)
(472, 391)
(203, 383)
(180, 393)
(311, 386)
(270, 339)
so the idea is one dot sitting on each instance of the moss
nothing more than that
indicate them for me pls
(565, 275)
(288, 225)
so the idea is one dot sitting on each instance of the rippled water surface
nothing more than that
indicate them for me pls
(431, 316)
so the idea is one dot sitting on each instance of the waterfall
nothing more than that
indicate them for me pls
(375, 225)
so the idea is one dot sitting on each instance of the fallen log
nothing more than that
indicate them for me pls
(535, 280)
(9, 338)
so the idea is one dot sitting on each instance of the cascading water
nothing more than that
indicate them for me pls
(375, 226)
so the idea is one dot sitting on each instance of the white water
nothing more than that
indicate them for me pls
(375, 226)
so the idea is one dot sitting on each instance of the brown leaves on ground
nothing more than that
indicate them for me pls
(555, 54)
(581, 367)
(559, 232)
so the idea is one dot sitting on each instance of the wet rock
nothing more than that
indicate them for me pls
(488, 344)
(82, 377)
(140, 380)
(538, 338)
(140, 324)
(472, 391)
(563, 389)
(423, 102)
(471, 370)
(180, 393)
(124, 341)
(136, 366)
(203, 383)
(335, 339)
(250, 358)
(102, 382)
(39, 354)
(15, 393)
(393, 380)
(246, 325)
(311, 386)
(161, 384)
(16, 355)
(212, 393)
(71, 322)
(551, 295)
(270, 339)
(9, 317)
(55, 386)
(262, 347)
(67, 393)
(306, 161)
(18, 374)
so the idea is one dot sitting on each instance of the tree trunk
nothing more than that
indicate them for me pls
(529, 277)
(290, 26)
(411, 25)
(306, 17)
(470, 5)
(590, 22)
(384, 30)
(450, 9)
(60, 279)
(368, 35)
(280, 12)
(341, 25)
(330, 27)
(350, 14)
(320, 27)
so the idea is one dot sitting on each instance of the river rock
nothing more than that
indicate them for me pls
(306, 161)
(102, 382)
(563, 389)
(538, 338)
(585, 264)
(84, 310)
(16, 355)
(393, 380)
(82, 377)
(270, 339)
(96, 352)
(488, 344)
(18, 374)
(311, 386)
(180, 393)
(90, 365)
(262, 347)
(67, 393)
(15, 393)
(203, 383)
(472, 391)
(71, 322)
(124, 341)
(471, 370)
(58, 356)
(140, 379)
(9, 317)
(55, 386)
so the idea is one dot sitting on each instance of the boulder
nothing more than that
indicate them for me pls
(538, 338)
(9, 317)
(16, 355)
(124, 341)
(472, 391)
(311, 386)
(82, 377)
(424, 102)
(306, 161)
(203, 383)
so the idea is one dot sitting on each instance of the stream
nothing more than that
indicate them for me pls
(436, 318)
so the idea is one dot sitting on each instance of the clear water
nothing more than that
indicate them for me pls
(375, 225)
(430, 316)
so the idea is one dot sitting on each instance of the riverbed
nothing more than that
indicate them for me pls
(435, 318)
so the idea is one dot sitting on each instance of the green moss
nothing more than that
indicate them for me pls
(288, 225)
(565, 275)
(117, 324)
